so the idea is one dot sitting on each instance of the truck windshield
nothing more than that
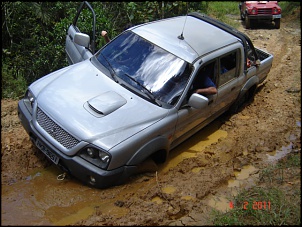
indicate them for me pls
(146, 66)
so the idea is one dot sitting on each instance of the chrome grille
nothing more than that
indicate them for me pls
(264, 11)
(55, 130)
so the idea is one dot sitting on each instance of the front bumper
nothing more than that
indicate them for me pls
(75, 165)
(264, 17)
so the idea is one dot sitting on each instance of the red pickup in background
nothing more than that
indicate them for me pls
(252, 11)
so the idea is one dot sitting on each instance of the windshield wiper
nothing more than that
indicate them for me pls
(112, 72)
(149, 93)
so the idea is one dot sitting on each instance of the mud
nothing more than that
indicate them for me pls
(201, 174)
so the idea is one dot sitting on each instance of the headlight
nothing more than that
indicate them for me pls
(254, 11)
(276, 10)
(96, 156)
(29, 100)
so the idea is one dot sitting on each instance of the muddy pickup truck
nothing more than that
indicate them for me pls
(257, 11)
(134, 100)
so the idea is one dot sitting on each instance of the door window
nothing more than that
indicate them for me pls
(208, 70)
(228, 68)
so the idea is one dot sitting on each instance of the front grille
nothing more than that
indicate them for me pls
(264, 11)
(55, 130)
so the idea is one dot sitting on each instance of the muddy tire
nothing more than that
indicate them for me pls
(246, 98)
(236, 106)
(242, 16)
(277, 23)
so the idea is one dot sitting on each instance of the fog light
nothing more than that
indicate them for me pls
(91, 152)
(104, 157)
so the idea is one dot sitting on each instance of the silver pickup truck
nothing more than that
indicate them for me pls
(113, 108)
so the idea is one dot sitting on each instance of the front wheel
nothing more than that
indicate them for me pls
(277, 23)
(242, 16)
(247, 23)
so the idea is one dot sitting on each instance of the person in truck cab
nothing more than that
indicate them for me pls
(208, 87)
(203, 84)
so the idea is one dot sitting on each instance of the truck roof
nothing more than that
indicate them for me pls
(200, 37)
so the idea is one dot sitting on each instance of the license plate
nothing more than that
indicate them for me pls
(276, 16)
(47, 152)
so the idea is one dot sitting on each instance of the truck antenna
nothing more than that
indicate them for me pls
(181, 35)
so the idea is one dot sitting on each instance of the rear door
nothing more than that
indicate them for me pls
(228, 81)
(81, 24)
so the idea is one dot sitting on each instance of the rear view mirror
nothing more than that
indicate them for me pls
(198, 101)
(82, 39)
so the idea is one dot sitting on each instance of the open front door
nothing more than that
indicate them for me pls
(80, 38)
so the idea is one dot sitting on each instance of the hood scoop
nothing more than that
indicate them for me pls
(104, 104)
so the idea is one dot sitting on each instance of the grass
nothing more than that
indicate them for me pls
(277, 201)
(288, 7)
(12, 86)
(227, 12)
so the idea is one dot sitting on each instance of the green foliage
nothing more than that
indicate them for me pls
(33, 33)
(13, 84)
(289, 7)
(225, 11)
(32, 47)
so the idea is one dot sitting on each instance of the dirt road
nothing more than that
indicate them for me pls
(203, 167)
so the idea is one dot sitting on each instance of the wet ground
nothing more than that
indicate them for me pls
(49, 200)
(202, 173)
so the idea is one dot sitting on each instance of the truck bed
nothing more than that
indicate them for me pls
(266, 60)
(261, 54)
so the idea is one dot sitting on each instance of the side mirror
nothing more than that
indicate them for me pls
(198, 101)
(82, 39)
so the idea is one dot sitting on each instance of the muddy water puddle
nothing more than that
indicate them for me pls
(42, 199)
(278, 154)
(245, 178)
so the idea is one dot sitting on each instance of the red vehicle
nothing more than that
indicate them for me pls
(252, 11)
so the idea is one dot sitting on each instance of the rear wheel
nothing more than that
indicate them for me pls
(236, 106)
(246, 98)
(277, 23)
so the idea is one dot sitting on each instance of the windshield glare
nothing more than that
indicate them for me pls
(159, 71)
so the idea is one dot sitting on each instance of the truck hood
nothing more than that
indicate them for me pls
(94, 108)
(262, 4)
